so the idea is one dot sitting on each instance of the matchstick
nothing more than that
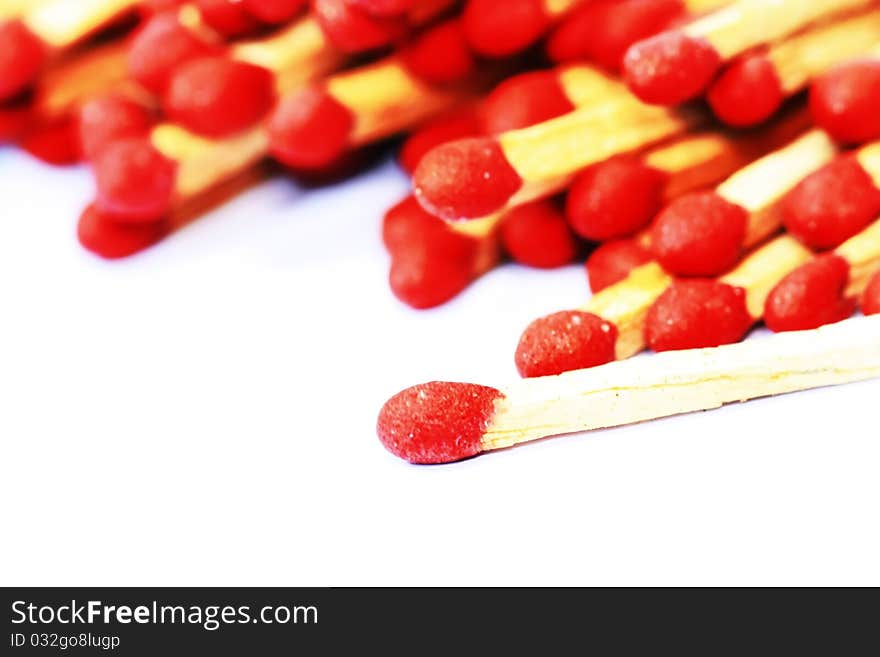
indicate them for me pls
(705, 233)
(837, 201)
(697, 313)
(611, 325)
(445, 422)
(602, 30)
(826, 289)
(754, 86)
(678, 65)
(475, 178)
(621, 196)
(46, 30)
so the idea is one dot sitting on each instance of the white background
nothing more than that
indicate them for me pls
(204, 414)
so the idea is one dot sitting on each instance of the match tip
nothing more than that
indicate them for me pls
(844, 102)
(466, 179)
(699, 234)
(615, 198)
(811, 296)
(55, 141)
(112, 240)
(22, 55)
(871, 297)
(536, 234)
(228, 17)
(565, 341)
(135, 182)
(274, 12)
(500, 29)
(106, 119)
(450, 127)
(440, 55)
(159, 47)
(310, 130)
(524, 100)
(604, 31)
(697, 314)
(832, 204)
(383, 7)
(353, 30)
(670, 68)
(613, 261)
(748, 92)
(217, 96)
(431, 263)
(437, 422)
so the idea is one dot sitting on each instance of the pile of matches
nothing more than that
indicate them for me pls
(719, 161)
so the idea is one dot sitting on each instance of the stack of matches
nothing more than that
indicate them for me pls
(177, 104)
(724, 170)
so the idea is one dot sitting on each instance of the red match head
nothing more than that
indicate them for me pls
(607, 28)
(310, 130)
(160, 47)
(844, 101)
(228, 17)
(748, 92)
(811, 296)
(832, 205)
(110, 239)
(14, 119)
(565, 341)
(135, 182)
(572, 39)
(354, 31)
(218, 96)
(524, 100)
(537, 235)
(499, 28)
(104, 120)
(54, 142)
(670, 68)
(383, 7)
(465, 179)
(698, 313)
(274, 11)
(613, 261)
(459, 124)
(431, 263)
(871, 297)
(437, 422)
(615, 198)
(22, 55)
(440, 55)
(699, 234)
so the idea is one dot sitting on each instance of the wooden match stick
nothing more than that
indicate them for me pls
(705, 233)
(612, 323)
(16, 8)
(602, 32)
(621, 196)
(756, 84)
(314, 128)
(446, 422)
(475, 178)
(678, 65)
(46, 30)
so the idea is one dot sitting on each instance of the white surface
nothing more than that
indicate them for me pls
(204, 414)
